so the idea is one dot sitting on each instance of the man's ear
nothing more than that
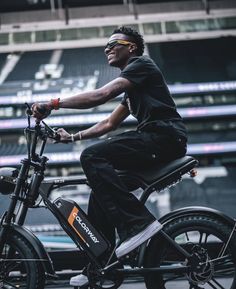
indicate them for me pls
(133, 47)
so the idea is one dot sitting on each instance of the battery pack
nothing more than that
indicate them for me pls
(87, 235)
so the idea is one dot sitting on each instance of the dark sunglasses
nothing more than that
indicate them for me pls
(113, 43)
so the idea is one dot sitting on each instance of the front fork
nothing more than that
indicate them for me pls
(8, 217)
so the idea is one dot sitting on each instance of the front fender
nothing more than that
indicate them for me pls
(197, 210)
(36, 245)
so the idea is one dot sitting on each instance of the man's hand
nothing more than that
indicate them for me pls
(65, 137)
(41, 110)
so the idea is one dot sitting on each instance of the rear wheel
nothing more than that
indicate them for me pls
(213, 261)
(19, 265)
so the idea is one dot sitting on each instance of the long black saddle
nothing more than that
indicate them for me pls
(161, 175)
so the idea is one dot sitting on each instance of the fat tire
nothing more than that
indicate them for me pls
(158, 244)
(34, 270)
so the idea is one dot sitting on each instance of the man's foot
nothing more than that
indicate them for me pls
(79, 280)
(135, 241)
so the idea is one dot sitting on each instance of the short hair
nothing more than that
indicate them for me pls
(136, 37)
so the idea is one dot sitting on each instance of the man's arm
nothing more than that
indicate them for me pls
(85, 99)
(109, 124)
(99, 129)
(98, 96)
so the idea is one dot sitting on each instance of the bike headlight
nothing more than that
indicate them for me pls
(8, 177)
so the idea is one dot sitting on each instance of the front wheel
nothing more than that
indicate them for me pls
(19, 265)
(213, 261)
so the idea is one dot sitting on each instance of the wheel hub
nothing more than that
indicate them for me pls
(201, 267)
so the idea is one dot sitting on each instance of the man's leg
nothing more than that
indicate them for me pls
(98, 218)
(125, 151)
(122, 208)
(99, 162)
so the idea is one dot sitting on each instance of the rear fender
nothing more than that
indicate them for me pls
(36, 245)
(197, 210)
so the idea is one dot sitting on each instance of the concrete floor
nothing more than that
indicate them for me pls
(224, 284)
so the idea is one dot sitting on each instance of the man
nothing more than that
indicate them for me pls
(160, 136)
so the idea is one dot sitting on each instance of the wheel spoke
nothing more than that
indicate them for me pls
(206, 238)
(187, 237)
(212, 285)
(203, 238)
(200, 238)
(218, 285)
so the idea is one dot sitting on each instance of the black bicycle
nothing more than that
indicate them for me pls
(196, 245)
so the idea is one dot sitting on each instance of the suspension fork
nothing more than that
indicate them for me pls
(14, 198)
(33, 191)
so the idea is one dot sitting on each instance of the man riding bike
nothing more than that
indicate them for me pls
(160, 136)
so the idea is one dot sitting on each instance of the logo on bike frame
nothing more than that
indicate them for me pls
(74, 219)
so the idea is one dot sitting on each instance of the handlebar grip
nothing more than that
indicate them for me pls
(42, 109)
(28, 111)
(57, 137)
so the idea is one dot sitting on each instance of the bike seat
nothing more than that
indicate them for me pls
(162, 174)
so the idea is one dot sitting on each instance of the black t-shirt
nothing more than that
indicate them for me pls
(150, 101)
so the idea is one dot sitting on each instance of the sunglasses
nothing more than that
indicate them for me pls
(115, 42)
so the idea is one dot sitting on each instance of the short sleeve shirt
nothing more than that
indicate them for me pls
(150, 101)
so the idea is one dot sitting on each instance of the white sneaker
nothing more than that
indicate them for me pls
(82, 280)
(79, 280)
(132, 243)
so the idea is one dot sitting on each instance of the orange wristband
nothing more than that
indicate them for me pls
(55, 103)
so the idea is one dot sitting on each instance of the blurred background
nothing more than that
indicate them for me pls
(55, 48)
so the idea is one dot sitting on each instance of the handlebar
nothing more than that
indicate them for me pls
(51, 131)
(38, 132)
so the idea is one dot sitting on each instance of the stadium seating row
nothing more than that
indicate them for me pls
(181, 62)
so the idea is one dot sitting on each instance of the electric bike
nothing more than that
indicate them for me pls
(196, 245)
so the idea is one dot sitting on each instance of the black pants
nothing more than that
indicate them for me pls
(111, 205)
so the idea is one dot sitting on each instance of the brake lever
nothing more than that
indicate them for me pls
(52, 133)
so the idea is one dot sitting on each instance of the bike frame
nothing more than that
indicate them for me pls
(50, 185)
